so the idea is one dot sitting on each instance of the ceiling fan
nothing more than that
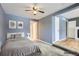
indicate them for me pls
(35, 9)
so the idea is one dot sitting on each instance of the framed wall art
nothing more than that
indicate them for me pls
(12, 24)
(20, 24)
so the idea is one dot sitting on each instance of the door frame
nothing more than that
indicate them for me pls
(57, 28)
(33, 30)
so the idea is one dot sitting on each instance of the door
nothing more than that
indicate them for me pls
(71, 29)
(33, 30)
(56, 28)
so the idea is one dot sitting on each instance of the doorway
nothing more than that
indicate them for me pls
(33, 30)
(71, 29)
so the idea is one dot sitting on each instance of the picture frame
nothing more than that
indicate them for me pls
(12, 24)
(20, 24)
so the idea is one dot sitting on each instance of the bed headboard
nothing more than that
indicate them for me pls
(15, 35)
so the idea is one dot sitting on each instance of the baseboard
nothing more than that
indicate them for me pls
(63, 39)
(59, 40)
(70, 38)
(52, 42)
(45, 42)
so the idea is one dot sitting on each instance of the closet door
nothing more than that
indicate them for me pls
(71, 29)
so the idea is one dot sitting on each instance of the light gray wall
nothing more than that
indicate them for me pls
(53, 29)
(3, 29)
(62, 27)
(45, 29)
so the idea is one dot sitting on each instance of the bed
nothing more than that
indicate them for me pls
(20, 47)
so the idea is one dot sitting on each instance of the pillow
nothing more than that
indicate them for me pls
(18, 35)
(11, 37)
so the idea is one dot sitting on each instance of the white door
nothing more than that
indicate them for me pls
(71, 29)
(33, 30)
(56, 28)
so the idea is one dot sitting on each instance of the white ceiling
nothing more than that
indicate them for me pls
(19, 9)
(71, 14)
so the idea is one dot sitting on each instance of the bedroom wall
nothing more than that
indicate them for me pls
(26, 25)
(3, 29)
(47, 29)
(62, 27)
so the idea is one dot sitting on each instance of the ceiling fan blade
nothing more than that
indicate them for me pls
(28, 10)
(41, 11)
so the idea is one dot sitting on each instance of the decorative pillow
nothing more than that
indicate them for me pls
(16, 36)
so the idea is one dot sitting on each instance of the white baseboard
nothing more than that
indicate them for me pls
(70, 38)
(63, 39)
(59, 40)
(52, 42)
(45, 42)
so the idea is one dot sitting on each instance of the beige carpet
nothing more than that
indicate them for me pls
(49, 50)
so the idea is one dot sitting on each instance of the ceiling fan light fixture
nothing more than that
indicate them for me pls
(35, 9)
(34, 12)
